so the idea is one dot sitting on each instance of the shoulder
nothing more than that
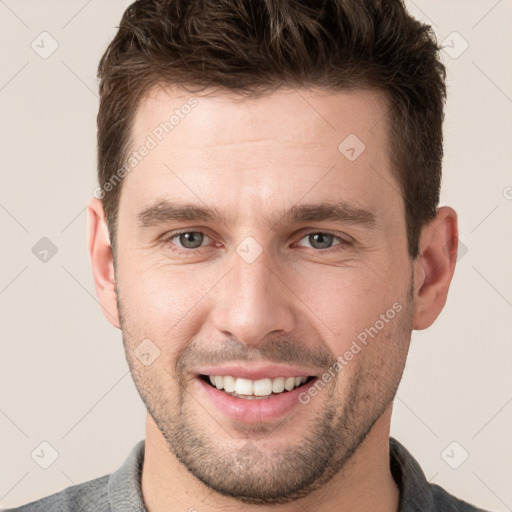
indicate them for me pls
(446, 502)
(88, 496)
(416, 493)
(118, 491)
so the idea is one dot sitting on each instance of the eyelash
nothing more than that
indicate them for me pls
(343, 242)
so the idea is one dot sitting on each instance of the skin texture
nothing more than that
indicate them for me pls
(296, 303)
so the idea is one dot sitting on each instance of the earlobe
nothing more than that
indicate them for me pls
(102, 263)
(434, 266)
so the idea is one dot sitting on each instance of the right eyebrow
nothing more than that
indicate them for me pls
(165, 211)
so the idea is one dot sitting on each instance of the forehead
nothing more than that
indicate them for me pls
(250, 153)
(283, 116)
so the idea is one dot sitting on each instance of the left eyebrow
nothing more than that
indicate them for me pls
(341, 212)
(165, 211)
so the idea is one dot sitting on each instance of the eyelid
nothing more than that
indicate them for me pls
(168, 237)
(345, 240)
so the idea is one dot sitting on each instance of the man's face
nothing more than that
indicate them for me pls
(272, 282)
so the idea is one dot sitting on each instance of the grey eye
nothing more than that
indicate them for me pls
(190, 239)
(320, 240)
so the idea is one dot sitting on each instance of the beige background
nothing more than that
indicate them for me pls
(63, 375)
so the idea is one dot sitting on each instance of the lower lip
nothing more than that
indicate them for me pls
(257, 410)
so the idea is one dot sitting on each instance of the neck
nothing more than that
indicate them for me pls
(364, 483)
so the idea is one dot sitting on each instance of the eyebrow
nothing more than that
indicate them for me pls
(166, 212)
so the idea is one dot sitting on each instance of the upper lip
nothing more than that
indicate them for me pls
(257, 372)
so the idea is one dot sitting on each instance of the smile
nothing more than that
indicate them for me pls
(255, 389)
(253, 401)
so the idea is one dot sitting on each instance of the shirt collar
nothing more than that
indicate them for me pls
(124, 486)
(415, 490)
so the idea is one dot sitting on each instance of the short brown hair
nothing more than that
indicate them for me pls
(255, 46)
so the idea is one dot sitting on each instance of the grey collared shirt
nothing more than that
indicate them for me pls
(121, 491)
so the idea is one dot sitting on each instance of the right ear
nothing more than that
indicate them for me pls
(100, 252)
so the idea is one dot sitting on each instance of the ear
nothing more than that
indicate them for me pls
(102, 261)
(434, 266)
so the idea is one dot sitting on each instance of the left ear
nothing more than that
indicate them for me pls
(434, 266)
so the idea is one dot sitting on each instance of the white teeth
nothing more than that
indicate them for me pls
(278, 385)
(243, 387)
(229, 384)
(255, 388)
(262, 387)
(289, 383)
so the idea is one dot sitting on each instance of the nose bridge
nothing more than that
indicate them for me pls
(254, 301)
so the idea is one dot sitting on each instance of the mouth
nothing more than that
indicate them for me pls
(260, 389)
(255, 401)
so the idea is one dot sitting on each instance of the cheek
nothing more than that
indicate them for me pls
(345, 301)
(157, 301)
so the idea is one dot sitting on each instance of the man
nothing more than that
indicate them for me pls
(266, 235)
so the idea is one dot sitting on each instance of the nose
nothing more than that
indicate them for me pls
(253, 302)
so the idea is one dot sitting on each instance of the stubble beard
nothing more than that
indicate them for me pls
(240, 467)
